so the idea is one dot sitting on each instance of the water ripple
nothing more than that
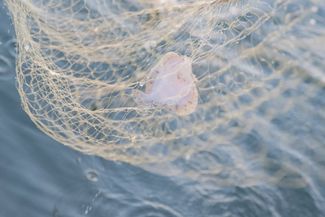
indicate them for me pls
(5, 67)
(103, 203)
(150, 209)
(11, 47)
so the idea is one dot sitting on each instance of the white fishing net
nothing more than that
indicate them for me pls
(81, 62)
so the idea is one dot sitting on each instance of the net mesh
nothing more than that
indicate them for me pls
(258, 65)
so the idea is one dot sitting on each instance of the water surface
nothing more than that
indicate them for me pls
(41, 177)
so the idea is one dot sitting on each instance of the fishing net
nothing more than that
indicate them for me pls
(258, 65)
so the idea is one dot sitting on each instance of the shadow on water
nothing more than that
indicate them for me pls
(40, 177)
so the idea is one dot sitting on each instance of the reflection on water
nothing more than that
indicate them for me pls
(45, 178)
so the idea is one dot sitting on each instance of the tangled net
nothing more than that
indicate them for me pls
(81, 62)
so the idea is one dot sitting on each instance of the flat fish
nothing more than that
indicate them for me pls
(171, 85)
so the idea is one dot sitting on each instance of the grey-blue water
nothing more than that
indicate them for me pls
(40, 177)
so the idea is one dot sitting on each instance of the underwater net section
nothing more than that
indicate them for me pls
(259, 69)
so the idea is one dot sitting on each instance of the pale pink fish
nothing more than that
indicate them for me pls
(171, 85)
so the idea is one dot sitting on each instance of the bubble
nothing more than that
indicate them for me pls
(92, 175)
